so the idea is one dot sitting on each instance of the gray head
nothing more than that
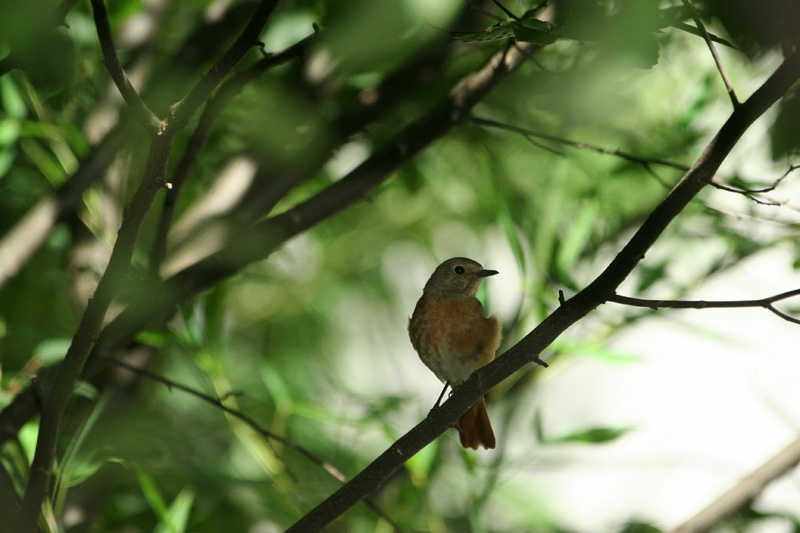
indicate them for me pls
(457, 276)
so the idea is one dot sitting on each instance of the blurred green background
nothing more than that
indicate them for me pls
(643, 417)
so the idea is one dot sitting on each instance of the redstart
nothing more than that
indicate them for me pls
(453, 336)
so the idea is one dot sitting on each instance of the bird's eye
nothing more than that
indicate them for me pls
(459, 270)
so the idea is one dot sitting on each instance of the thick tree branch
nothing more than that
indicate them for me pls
(140, 110)
(744, 492)
(765, 303)
(88, 331)
(182, 111)
(598, 292)
(153, 180)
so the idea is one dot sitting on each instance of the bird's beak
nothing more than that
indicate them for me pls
(487, 273)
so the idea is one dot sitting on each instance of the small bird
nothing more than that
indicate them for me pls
(453, 336)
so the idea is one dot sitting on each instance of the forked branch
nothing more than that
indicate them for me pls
(140, 110)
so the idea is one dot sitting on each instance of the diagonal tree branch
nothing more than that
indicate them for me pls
(572, 310)
(88, 331)
(739, 496)
(91, 323)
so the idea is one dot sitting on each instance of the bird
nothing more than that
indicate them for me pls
(453, 336)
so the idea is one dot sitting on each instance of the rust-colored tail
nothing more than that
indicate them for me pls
(476, 430)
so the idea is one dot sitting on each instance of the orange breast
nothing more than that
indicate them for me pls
(452, 336)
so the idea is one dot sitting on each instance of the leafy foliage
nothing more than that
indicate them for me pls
(311, 343)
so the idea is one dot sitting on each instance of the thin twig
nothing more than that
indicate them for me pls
(750, 193)
(714, 54)
(765, 303)
(505, 10)
(268, 435)
(229, 89)
(645, 162)
(688, 28)
(129, 94)
(584, 146)
(183, 110)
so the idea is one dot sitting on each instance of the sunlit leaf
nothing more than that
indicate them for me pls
(593, 436)
(152, 494)
(575, 243)
(533, 31)
(177, 514)
(537, 425)
(421, 465)
(650, 274)
(52, 351)
(13, 103)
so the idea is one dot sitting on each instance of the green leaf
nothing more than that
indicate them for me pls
(177, 515)
(9, 131)
(422, 463)
(79, 464)
(276, 386)
(151, 493)
(594, 435)
(533, 31)
(527, 30)
(503, 216)
(498, 32)
(597, 351)
(537, 426)
(649, 275)
(576, 241)
(13, 103)
(51, 351)
(7, 158)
